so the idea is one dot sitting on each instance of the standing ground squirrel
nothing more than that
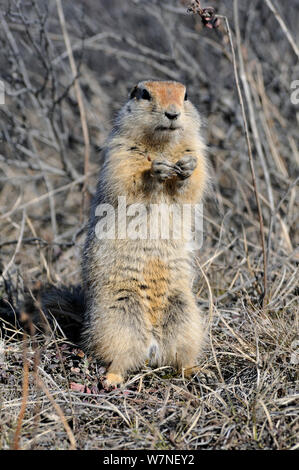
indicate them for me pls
(139, 296)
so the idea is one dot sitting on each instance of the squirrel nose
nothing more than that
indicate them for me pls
(172, 115)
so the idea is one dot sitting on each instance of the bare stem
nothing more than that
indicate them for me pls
(283, 27)
(260, 215)
(25, 391)
(77, 90)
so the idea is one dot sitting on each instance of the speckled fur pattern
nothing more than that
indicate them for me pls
(140, 303)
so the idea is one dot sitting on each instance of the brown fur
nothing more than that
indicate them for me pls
(139, 299)
(155, 274)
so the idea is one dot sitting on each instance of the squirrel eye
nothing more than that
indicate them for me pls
(186, 97)
(145, 95)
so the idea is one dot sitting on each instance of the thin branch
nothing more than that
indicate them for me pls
(77, 90)
(283, 26)
(60, 413)
(25, 392)
(211, 20)
(252, 117)
(8, 266)
(256, 193)
(17, 208)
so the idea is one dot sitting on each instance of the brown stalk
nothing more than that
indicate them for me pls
(256, 193)
(25, 391)
(283, 27)
(60, 413)
(196, 8)
(78, 94)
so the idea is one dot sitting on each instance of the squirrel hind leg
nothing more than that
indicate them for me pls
(186, 327)
(187, 359)
(124, 348)
(134, 354)
(118, 369)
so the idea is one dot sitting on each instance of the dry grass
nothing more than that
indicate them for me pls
(246, 395)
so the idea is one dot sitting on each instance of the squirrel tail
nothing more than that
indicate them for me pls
(67, 305)
(63, 306)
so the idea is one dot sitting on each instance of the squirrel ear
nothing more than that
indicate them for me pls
(133, 92)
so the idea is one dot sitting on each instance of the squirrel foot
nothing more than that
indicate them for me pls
(190, 370)
(113, 380)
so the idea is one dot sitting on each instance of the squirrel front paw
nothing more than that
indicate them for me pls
(162, 169)
(185, 166)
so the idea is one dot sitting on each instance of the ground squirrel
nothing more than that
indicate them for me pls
(139, 298)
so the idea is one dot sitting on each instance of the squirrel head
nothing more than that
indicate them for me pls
(158, 112)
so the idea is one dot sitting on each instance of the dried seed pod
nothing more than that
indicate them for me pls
(208, 14)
